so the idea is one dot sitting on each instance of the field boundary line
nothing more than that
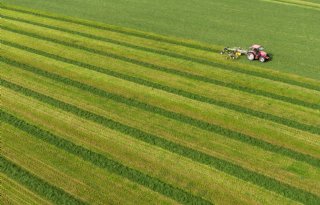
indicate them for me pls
(35, 184)
(168, 70)
(155, 67)
(262, 115)
(153, 37)
(242, 173)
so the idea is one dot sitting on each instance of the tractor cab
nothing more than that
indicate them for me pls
(256, 52)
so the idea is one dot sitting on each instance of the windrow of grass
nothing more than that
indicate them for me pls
(103, 162)
(274, 118)
(193, 177)
(14, 193)
(221, 76)
(276, 76)
(71, 173)
(52, 193)
(161, 68)
(235, 170)
(160, 111)
(74, 75)
(242, 87)
(166, 101)
(204, 125)
(254, 159)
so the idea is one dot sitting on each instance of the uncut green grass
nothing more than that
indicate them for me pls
(227, 23)
(172, 132)
(255, 83)
(224, 189)
(73, 174)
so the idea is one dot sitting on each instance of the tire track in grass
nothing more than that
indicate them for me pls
(171, 41)
(101, 161)
(166, 113)
(197, 156)
(168, 70)
(35, 184)
(193, 96)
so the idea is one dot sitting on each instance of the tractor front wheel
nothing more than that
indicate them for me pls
(262, 59)
(250, 56)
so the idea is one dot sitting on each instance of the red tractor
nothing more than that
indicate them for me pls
(256, 52)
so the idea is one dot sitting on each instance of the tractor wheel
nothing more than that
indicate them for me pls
(250, 56)
(262, 59)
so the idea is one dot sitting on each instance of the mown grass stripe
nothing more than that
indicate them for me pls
(193, 96)
(101, 161)
(35, 184)
(180, 43)
(197, 156)
(175, 116)
(168, 70)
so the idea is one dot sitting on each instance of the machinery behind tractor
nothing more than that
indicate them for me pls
(255, 52)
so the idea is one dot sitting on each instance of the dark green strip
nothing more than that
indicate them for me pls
(262, 115)
(170, 70)
(175, 116)
(102, 162)
(222, 165)
(167, 70)
(190, 45)
(35, 184)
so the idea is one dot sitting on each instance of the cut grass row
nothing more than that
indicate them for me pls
(13, 193)
(270, 75)
(255, 159)
(181, 65)
(262, 115)
(71, 173)
(258, 179)
(165, 69)
(36, 184)
(103, 162)
(169, 114)
(262, 129)
(166, 53)
(193, 177)
(169, 70)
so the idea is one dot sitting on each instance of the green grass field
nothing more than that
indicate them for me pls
(287, 28)
(94, 113)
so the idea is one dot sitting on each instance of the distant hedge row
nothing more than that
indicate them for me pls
(176, 116)
(35, 184)
(96, 159)
(220, 164)
(166, 69)
(171, 41)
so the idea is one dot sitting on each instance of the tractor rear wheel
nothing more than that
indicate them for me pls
(250, 56)
(262, 59)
